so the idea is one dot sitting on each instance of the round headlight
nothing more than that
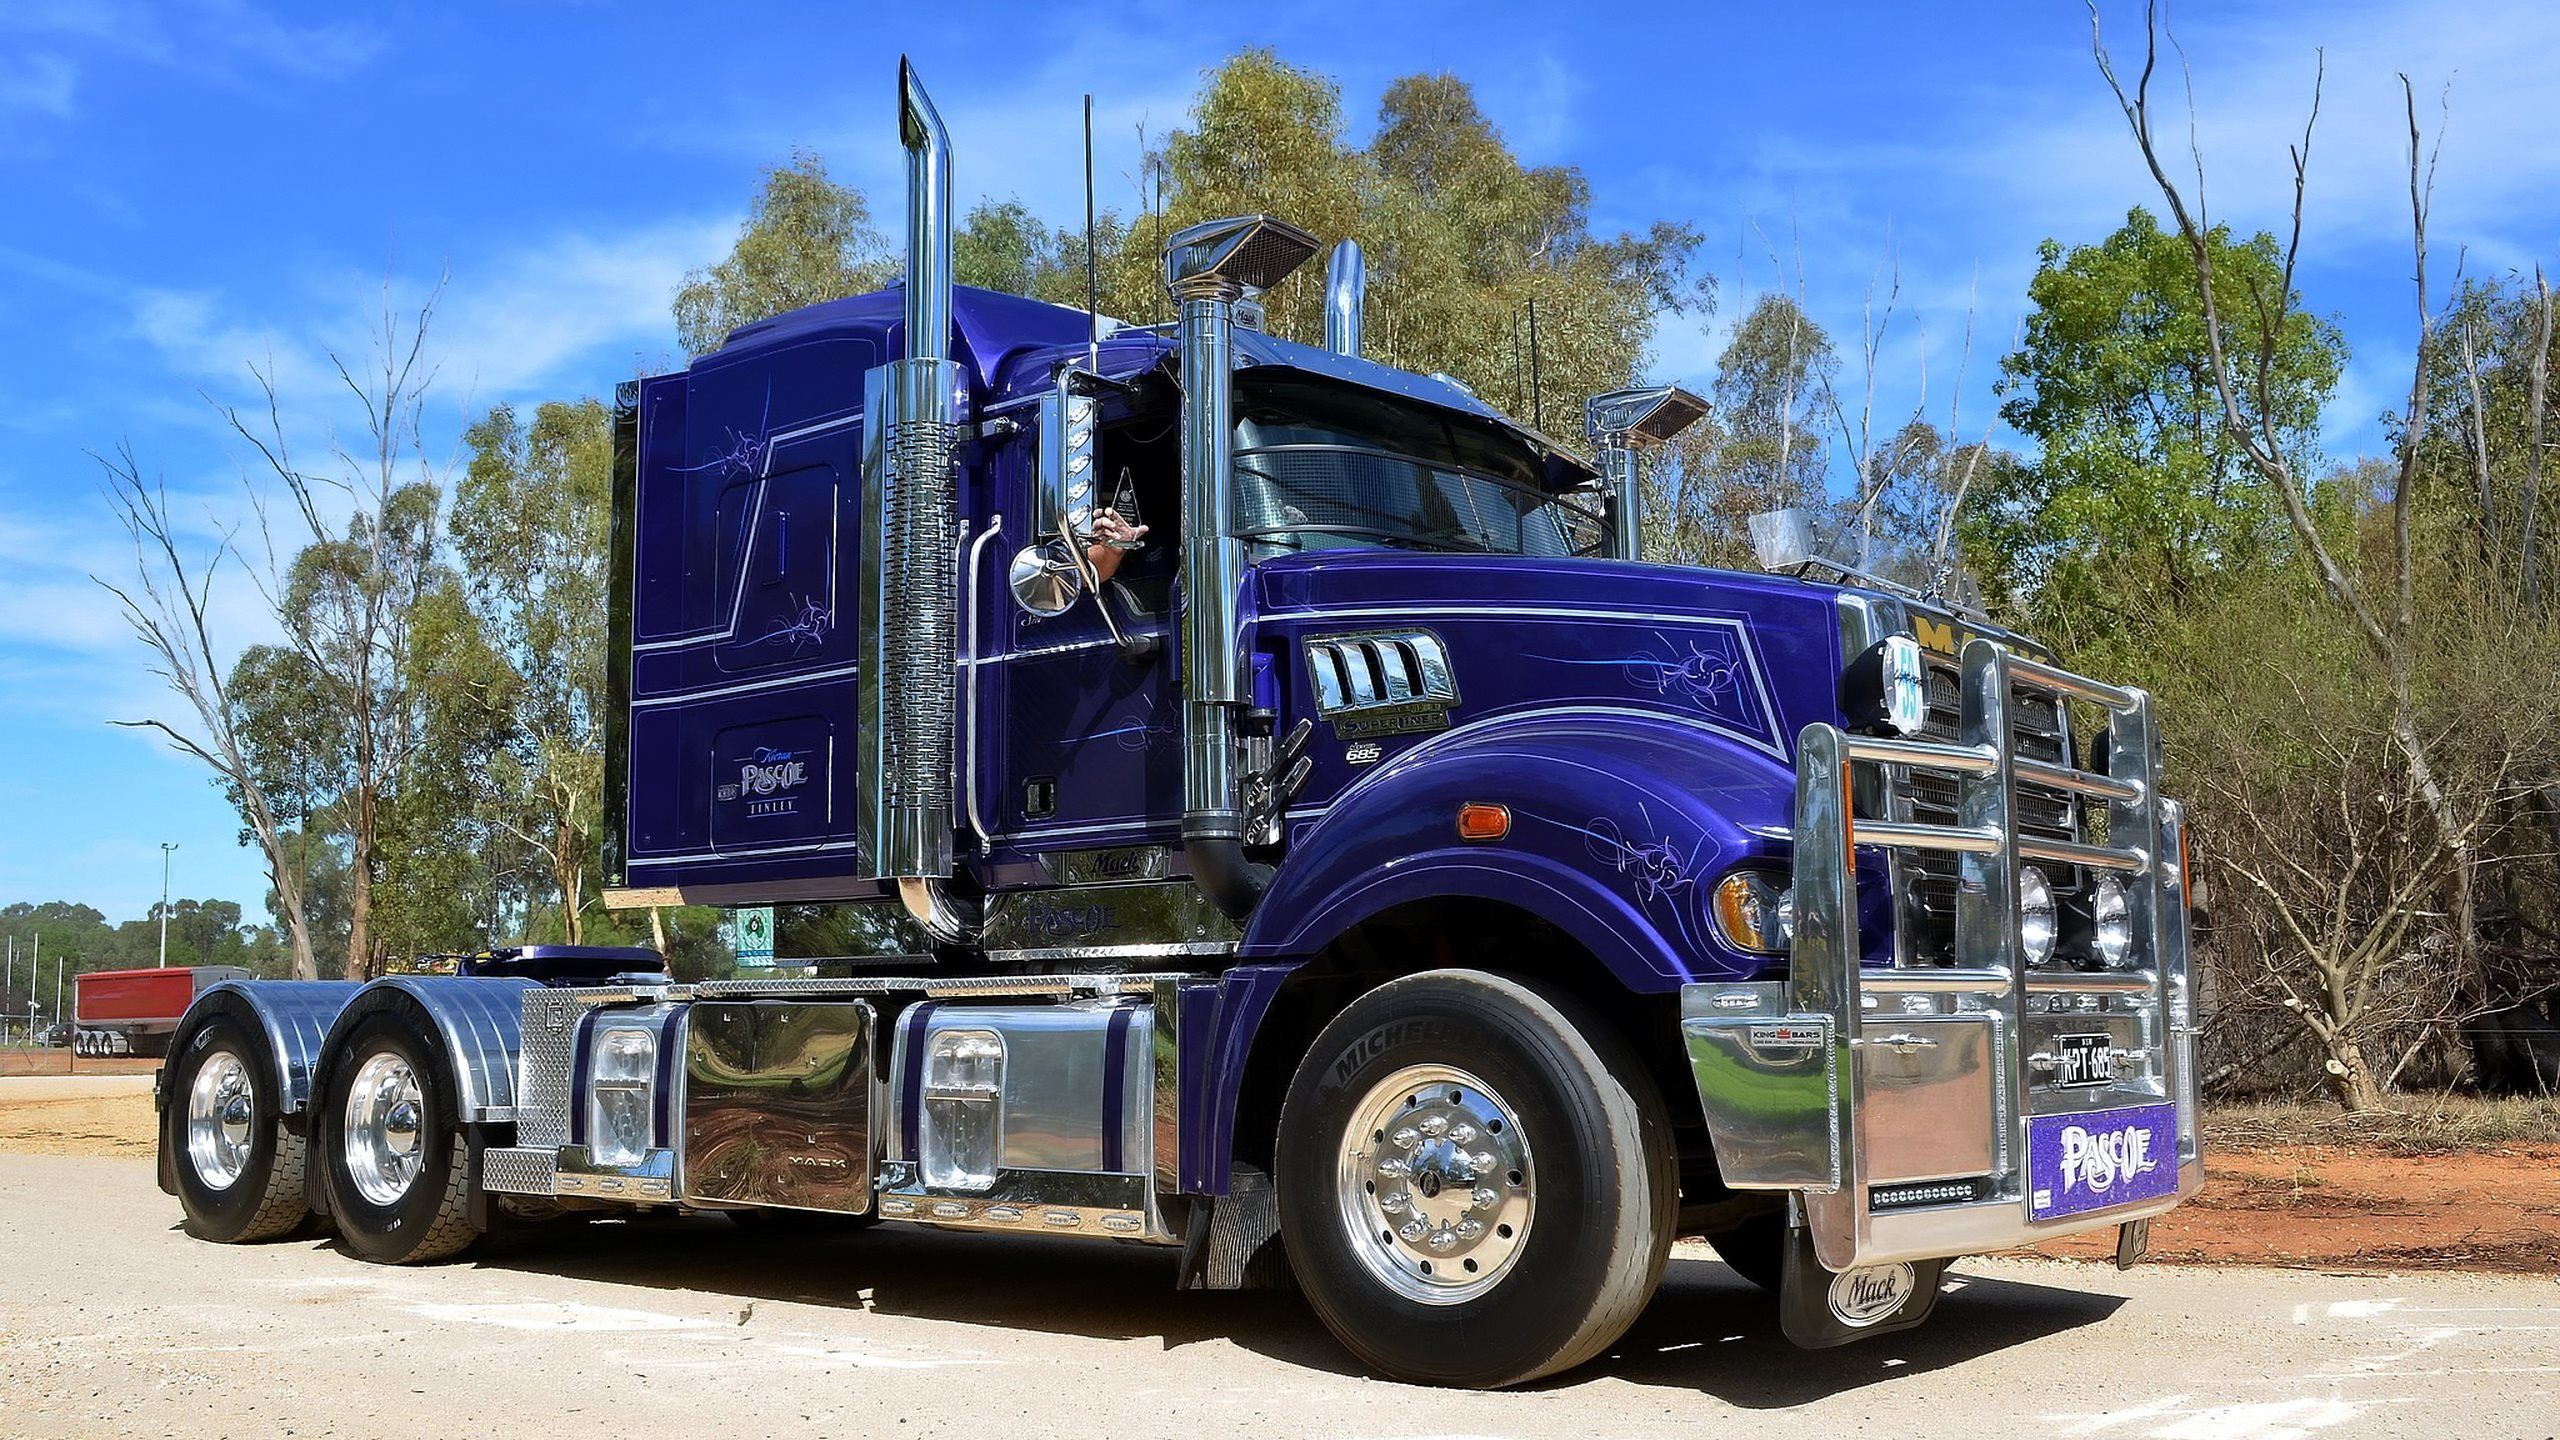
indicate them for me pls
(2111, 923)
(1753, 912)
(2035, 915)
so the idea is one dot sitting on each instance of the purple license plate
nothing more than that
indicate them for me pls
(2101, 1159)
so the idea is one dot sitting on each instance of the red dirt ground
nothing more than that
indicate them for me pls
(2324, 1207)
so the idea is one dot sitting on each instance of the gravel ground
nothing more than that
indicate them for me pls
(113, 1322)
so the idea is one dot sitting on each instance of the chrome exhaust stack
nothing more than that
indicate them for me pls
(1346, 288)
(1619, 424)
(1207, 269)
(911, 448)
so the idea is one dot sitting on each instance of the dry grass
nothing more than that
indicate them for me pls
(2417, 1124)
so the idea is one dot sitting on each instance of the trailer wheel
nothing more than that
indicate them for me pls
(1475, 1189)
(393, 1156)
(239, 1171)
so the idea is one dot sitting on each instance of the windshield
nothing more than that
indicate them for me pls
(1321, 466)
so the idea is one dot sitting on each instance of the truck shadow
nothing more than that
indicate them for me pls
(1710, 1331)
(1705, 1331)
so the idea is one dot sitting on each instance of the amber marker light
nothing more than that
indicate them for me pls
(1479, 821)
(1848, 818)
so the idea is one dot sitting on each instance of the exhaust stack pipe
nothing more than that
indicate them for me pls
(1346, 286)
(911, 446)
(1618, 424)
(1207, 268)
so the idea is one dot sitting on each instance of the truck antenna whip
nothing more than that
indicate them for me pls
(1092, 281)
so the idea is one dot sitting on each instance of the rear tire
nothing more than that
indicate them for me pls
(239, 1171)
(394, 1158)
(1476, 1184)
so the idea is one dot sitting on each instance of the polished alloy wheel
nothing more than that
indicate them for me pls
(219, 1111)
(381, 1135)
(1436, 1184)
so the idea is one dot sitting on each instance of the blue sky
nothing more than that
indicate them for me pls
(195, 185)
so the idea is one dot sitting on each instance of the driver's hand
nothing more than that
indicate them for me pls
(1111, 537)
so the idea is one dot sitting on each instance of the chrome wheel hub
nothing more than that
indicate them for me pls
(382, 1129)
(1435, 1188)
(219, 1112)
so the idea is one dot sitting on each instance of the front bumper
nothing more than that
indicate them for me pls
(1928, 1112)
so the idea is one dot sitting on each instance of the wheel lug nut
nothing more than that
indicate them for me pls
(1406, 1138)
(1463, 1134)
(1394, 1202)
(1394, 1169)
(1443, 1238)
(1470, 1229)
(1484, 1198)
(1482, 1159)
(1412, 1230)
(1436, 1125)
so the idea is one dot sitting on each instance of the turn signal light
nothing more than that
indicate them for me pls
(1478, 821)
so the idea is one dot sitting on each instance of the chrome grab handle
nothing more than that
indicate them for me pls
(1905, 1041)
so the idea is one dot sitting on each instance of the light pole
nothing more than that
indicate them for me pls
(165, 847)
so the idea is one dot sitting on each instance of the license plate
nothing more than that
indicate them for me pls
(2086, 1060)
(2101, 1159)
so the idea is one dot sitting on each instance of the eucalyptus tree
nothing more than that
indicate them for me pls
(806, 239)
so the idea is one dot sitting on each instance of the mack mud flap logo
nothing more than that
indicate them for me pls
(1862, 1297)
(2089, 1162)
(764, 777)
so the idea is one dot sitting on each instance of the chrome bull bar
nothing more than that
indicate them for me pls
(1904, 1105)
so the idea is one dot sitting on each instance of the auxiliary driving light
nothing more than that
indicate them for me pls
(2036, 920)
(2111, 923)
(1886, 688)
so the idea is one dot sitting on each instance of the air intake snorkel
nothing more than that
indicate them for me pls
(1618, 424)
(1207, 268)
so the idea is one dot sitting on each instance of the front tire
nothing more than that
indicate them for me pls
(395, 1163)
(239, 1171)
(1476, 1183)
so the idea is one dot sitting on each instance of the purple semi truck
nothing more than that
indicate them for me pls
(1371, 875)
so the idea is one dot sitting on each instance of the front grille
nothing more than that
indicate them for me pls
(2039, 729)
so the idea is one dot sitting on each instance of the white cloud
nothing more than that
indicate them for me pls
(228, 42)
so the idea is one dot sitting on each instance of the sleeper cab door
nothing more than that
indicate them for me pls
(1093, 751)
(744, 693)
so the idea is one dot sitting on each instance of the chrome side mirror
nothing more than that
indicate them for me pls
(1046, 578)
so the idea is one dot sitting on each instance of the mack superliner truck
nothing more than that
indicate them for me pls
(1371, 875)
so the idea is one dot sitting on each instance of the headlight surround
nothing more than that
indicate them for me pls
(622, 1092)
(2037, 919)
(2111, 923)
(1754, 911)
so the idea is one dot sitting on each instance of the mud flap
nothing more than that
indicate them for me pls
(1819, 1309)
(1234, 1240)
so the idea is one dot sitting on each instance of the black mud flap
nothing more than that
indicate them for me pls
(1820, 1309)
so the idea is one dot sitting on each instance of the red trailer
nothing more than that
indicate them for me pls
(133, 1012)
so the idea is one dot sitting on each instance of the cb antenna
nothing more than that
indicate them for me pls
(1092, 281)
